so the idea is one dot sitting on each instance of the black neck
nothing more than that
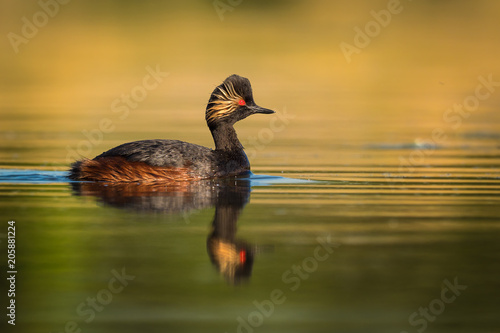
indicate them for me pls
(225, 138)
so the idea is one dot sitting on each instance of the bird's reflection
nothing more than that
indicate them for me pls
(231, 256)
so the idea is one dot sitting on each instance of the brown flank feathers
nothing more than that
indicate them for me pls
(118, 169)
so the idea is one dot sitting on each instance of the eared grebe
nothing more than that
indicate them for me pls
(173, 160)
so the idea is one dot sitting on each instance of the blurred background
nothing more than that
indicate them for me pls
(360, 89)
(62, 78)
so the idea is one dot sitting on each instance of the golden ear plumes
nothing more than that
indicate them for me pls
(226, 102)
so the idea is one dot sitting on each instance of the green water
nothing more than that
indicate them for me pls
(390, 243)
(375, 200)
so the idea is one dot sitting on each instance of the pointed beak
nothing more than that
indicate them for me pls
(258, 109)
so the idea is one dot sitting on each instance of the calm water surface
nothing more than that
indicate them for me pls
(383, 233)
(372, 208)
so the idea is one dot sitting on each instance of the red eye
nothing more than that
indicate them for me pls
(241, 102)
(243, 255)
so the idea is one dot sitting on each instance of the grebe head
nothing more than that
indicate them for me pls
(232, 101)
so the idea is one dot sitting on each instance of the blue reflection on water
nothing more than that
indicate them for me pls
(30, 176)
(25, 176)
